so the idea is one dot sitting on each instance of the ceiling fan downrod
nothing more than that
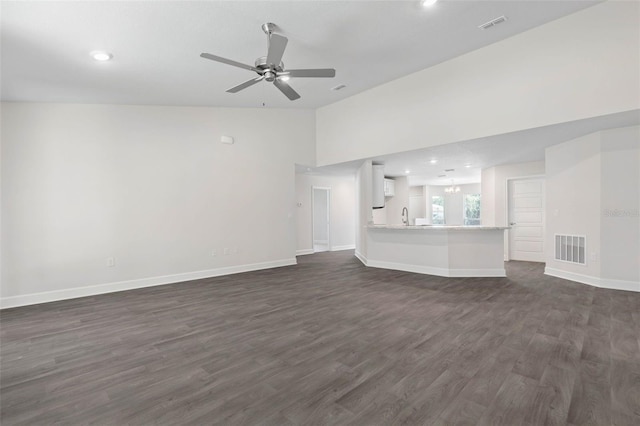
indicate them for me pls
(268, 28)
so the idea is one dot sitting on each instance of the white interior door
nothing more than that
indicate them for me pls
(526, 218)
(321, 219)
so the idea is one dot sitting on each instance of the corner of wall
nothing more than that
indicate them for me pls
(593, 189)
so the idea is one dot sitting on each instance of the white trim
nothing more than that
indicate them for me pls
(72, 293)
(361, 258)
(441, 272)
(304, 252)
(594, 281)
(340, 248)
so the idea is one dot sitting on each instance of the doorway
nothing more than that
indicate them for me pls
(526, 219)
(321, 208)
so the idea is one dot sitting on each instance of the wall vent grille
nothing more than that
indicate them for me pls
(571, 248)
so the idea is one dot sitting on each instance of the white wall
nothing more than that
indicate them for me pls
(494, 202)
(488, 196)
(581, 66)
(572, 190)
(494, 189)
(620, 203)
(343, 210)
(364, 207)
(379, 215)
(593, 189)
(417, 203)
(152, 187)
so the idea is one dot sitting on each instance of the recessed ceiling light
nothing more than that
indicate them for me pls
(428, 3)
(101, 56)
(467, 166)
(434, 161)
(407, 172)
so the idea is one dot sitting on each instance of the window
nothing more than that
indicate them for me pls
(437, 210)
(471, 209)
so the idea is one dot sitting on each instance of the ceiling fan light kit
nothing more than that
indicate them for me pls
(271, 68)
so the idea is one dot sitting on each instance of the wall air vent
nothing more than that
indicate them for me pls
(571, 248)
(492, 23)
(449, 170)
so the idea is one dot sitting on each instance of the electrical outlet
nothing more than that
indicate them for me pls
(234, 250)
(214, 253)
(594, 256)
(111, 262)
(227, 252)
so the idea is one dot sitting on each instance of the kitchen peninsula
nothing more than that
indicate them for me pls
(447, 251)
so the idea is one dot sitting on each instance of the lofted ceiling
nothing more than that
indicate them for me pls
(156, 45)
(45, 57)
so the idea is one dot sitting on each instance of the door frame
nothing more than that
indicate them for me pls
(507, 235)
(313, 216)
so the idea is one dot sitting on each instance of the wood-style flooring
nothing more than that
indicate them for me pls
(328, 342)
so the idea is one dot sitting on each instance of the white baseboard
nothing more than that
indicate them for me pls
(72, 293)
(340, 248)
(304, 252)
(594, 281)
(441, 272)
(361, 258)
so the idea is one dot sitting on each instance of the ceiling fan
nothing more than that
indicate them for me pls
(270, 68)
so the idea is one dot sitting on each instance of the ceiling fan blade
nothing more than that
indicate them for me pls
(244, 85)
(321, 73)
(286, 89)
(277, 44)
(228, 61)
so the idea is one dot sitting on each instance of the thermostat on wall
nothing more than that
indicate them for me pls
(227, 139)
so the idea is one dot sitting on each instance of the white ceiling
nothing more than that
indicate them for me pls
(156, 46)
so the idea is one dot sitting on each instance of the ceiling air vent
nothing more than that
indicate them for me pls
(339, 87)
(492, 23)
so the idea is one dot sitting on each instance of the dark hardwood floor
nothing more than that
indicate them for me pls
(329, 342)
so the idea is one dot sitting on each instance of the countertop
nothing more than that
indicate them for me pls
(439, 227)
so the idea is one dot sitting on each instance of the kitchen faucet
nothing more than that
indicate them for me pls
(405, 219)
